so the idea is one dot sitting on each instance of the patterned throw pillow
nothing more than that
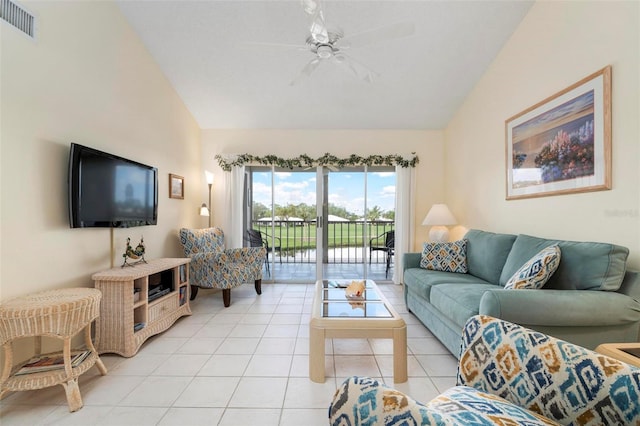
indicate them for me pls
(447, 257)
(536, 271)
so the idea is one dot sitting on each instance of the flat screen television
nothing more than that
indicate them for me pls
(108, 191)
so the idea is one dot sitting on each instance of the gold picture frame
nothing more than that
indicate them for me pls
(562, 145)
(176, 186)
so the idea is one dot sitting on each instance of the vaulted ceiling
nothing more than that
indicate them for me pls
(233, 62)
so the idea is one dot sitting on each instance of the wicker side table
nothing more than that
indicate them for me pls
(56, 313)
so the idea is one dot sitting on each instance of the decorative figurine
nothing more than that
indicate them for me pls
(355, 294)
(137, 254)
(355, 289)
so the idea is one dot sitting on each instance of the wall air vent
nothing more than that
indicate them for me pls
(17, 17)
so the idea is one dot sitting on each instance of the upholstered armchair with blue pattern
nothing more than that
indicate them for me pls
(507, 375)
(213, 266)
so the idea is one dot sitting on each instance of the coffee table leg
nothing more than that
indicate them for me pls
(316, 354)
(400, 355)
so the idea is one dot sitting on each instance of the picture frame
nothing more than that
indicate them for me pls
(176, 186)
(562, 145)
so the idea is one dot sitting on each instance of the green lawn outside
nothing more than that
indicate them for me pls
(343, 234)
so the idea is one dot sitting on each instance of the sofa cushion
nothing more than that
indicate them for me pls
(487, 253)
(459, 302)
(446, 257)
(535, 273)
(584, 265)
(420, 281)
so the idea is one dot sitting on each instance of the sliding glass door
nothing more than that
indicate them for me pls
(282, 207)
(322, 223)
(343, 234)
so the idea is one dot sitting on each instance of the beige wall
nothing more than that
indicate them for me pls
(86, 79)
(428, 146)
(557, 44)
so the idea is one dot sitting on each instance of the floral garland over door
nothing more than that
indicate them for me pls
(326, 160)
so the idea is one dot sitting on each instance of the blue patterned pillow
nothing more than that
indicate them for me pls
(535, 273)
(446, 257)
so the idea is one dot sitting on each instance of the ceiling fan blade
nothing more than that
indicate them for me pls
(317, 28)
(306, 71)
(310, 7)
(388, 32)
(356, 68)
(283, 45)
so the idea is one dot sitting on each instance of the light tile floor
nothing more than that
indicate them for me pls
(242, 365)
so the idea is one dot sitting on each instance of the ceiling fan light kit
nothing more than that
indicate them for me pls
(324, 51)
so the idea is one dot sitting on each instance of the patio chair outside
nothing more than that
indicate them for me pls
(383, 242)
(259, 239)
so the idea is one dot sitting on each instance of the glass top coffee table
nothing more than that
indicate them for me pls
(370, 315)
(625, 352)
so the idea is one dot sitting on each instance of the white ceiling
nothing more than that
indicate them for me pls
(207, 51)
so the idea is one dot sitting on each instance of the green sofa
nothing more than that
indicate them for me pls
(590, 299)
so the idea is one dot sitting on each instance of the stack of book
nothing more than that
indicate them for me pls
(51, 362)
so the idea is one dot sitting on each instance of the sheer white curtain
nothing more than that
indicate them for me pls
(234, 200)
(404, 219)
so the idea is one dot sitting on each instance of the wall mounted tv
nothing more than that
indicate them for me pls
(108, 191)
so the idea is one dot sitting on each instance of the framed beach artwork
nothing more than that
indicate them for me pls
(562, 145)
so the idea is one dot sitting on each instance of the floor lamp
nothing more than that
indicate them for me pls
(204, 211)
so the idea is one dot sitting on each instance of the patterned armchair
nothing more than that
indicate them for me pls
(507, 375)
(213, 266)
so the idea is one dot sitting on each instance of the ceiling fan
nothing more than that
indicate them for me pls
(329, 45)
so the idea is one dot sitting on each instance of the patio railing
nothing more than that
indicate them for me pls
(346, 241)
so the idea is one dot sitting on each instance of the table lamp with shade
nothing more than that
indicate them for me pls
(439, 217)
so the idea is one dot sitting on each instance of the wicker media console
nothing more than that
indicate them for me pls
(139, 302)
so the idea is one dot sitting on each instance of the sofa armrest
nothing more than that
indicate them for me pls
(562, 381)
(560, 307)
(411, 260)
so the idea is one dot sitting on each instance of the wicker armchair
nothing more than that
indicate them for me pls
(213, 266)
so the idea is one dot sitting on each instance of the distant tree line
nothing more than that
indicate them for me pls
(308, 212)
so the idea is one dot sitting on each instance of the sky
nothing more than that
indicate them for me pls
(346, 189)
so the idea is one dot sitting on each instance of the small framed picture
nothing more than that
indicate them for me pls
(176, 186)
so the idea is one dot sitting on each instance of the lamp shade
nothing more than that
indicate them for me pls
(209, 176)
(204, 211)
(439, 215)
